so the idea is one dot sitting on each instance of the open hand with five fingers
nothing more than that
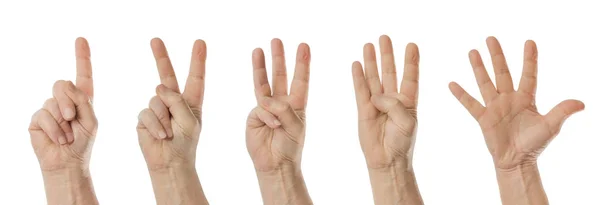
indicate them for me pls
(169, 129)
(515, 132)
(62, 135)
(275, 128)
(387, 121)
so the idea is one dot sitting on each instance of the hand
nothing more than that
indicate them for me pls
(63, 131)
(387, 118)
(169, 128)
(515, 132)
(275, 128)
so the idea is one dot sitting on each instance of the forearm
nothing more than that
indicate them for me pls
(177, 186)
(69, 186)
(521, 185)
(395, 185)
(284, 186)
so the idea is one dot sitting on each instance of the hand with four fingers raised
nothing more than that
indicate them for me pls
(62, 135)
(169, 129)
(387, 121)
(515, 132)
(276, 126)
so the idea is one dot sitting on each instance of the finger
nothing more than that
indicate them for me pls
(361, 88)
(178, 108)
(44, 120)
(557, 116)
(279, 70)
(261, 81)
(371, 73)
(163, 63)
(68, 95)
(503, 79)
(392, 106)
(528, 81)
(486, 87)
(388, 66)
(161, 111)
(194, 86)
(472, 105)
(285, 114)
(51, 105)
(410, 79)
(299, 88)
(84, 80)
(267, 118)
(66, 105)
(152, 124)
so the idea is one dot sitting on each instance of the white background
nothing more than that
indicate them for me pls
(451, 161)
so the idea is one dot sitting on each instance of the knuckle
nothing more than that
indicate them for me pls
(50, 102)
(36, 115)
(58, 85)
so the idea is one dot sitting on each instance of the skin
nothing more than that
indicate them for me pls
(387, 122)
(515, 132)
(276, 126)
(62, 135)
(169, 129)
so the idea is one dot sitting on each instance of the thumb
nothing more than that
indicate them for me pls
(391, 106)
(557, 116)
(179, 109)
(285, 113)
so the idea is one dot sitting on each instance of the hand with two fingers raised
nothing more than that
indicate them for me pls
(169, 129)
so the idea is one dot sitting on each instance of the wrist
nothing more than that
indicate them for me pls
(521, 184)
(395, 184)
(177, 185)
(69, 186)
(283, 185)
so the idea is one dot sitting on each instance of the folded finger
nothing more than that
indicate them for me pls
(51, 105)
(162, 113)
(44, 120)
(152, 124)
(66, 105)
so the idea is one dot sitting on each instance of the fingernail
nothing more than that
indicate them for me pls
(162, 134)
(69, 113)
(62, 140)
(276, 122)
(162, 88)
(70, 136)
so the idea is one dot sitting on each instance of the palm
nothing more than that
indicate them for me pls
(514, 130)
(163, 153)
(272, 146)
(389, 139)
(53, 156)
(387, 118)
(276, 127)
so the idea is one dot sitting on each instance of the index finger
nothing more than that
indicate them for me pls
(165, 69)
(194, 86)
(84, 79)
(409, 87)
(299, 89)
(259, 72)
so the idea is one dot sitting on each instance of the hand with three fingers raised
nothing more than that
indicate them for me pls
(515, 132)
(62, 136)
(276, 126)
(169, 129)
(387, 122)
